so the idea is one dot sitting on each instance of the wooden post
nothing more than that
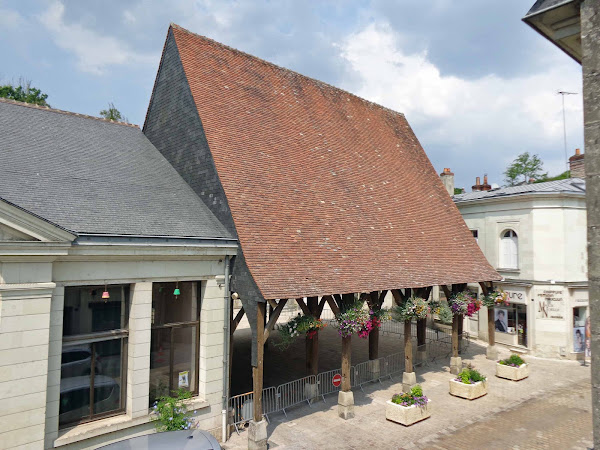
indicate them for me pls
(374, 303)
(257, 372)
(346, 362)
(421, 332)
(455, 320)
(408, 356)
(312, 345)
(461, 322)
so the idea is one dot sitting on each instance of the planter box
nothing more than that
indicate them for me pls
(406, 415)
(512, 373)
(468, 391)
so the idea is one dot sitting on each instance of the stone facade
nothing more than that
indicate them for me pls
(34, 274)
(548, 286)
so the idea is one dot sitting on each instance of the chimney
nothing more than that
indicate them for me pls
(577, 164)
(481, 187)
(447, 178)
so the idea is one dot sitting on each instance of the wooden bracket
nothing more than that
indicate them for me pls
(303, 307)
(273, 318)
(333, 306)
(321, 306)
(235, 322)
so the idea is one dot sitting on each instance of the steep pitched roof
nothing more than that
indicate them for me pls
(329, 193)
(569, 185)
(93, 176)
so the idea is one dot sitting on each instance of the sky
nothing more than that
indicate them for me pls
(477, 85)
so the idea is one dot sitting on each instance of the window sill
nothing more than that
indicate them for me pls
(112, 424)
(499, 269)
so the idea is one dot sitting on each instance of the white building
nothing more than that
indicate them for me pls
(535, 237)
(97, 230)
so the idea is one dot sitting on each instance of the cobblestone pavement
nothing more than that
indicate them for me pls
(550, 409)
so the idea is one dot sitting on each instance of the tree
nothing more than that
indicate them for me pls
(526, 166)
(113, 113)
(23, 92)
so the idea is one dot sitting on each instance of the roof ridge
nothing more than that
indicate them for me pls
(285, 69)
(67, 113)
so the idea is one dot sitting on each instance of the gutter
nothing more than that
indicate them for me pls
(226, 346)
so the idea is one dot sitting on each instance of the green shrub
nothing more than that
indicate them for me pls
(470, 376)
(445, 313)
(514, 361)
(414, 397)
(170, 412)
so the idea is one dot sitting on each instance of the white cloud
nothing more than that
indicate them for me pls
(471, 117)
(94, 51)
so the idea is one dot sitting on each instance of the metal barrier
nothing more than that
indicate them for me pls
(242, 408)
(325, 383)
(366, 372)
(297, 391)
(305, 389)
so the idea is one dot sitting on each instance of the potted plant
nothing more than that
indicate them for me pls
(358, 320)
(469, 384)
(464, 304)
(296, 326)
(513, 368)
(408, 408)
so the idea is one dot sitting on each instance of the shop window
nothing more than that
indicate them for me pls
(512, 320)
(509, 250)
(175, 338)
(93, 357)
(580, 329)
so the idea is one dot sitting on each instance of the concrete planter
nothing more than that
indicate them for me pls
(406, 415)
(512, 373)
(468, 391)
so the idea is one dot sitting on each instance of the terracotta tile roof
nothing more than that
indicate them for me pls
(329, 193)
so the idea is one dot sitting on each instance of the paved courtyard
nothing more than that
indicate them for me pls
(551, 409)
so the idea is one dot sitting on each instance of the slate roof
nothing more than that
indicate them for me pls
(569, 185)
(543, 5)
(93, 176)
(329, 193)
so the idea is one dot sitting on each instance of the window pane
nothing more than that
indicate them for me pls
(184, 358)
(160, 357)
(168, 308)
(85, 310)
(76, 364)
(107, 380)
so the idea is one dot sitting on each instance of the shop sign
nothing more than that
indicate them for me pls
(550, 304)
(516, 296)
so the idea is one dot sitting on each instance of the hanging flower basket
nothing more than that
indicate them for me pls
(495, 298)
(412, 308)
(464, 304)
(357, 320)
(288, 332)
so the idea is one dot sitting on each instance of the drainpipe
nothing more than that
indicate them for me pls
(226, 337)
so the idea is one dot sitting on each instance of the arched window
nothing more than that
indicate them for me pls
(509, 250)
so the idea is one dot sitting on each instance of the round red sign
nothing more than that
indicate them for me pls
(337, 380)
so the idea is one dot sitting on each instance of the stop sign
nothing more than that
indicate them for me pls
(337, 380)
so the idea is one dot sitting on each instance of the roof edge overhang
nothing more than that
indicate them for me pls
(565, 28)
(90, 239)
(521, 197)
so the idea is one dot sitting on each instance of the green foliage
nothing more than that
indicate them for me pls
(458, 191)
(526, 166)
(470, 375)
(563, 176)
(23, 92)
(113, 113)
(414, 397)
(445, 314)
(412, 308)
(514, 360)
(169, 413)
(300, 324)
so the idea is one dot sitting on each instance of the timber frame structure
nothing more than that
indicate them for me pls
(329, 195)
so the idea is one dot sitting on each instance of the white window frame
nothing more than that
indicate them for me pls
(508, 249)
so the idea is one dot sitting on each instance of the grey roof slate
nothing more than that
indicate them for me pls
(542, 5)
(93, 176)
(569, 185)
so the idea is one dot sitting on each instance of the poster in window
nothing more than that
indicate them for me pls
(579, 339)
(184, 380)
(501, 323)
(588, 337)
